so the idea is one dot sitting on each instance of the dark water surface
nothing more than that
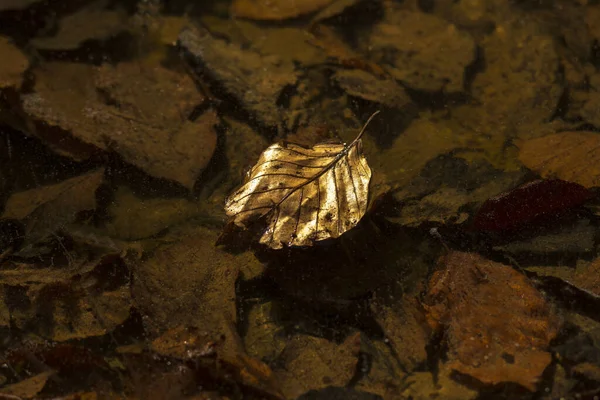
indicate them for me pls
(184, 211)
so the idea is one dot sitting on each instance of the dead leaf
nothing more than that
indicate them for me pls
(264, 338)
(46, 209)
(307, 194)
(90, 23)
(422, 50)
(385, 375)
(588, 278)
(63, 309)
(14, 65)
(406, 330)
(571, 156)
(133, 217)
(421, 142)
(79, 189)
(335, 8)
(254, 80)
(28, 388)
(16, 4)
(138, 110)
(189, 282)
(4, 311)
(529, 204)
(497, 326)
(449, 189)
(276, 9)
(426, 386)
(330, 41)
(313, 363)
(231, 364)
(536, 73)
(367, 86)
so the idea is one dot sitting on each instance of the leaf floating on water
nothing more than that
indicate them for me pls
(306, 194)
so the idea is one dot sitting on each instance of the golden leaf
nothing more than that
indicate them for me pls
(306, 194)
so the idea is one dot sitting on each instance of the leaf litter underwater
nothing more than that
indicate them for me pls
(460, 262)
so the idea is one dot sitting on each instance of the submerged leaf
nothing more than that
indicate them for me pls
(306, 194)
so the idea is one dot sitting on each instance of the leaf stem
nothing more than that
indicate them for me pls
(364, 128)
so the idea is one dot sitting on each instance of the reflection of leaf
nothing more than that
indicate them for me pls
(308, 194)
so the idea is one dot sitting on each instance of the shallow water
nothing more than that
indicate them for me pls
(152, 247)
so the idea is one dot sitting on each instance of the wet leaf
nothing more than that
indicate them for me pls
(90, 23)
(425, 386)
(335, 8)
(65, 310)
(306, 194)
(314, 363)
(190, 344)
(276, 9)
(529, 203)
(4, 311)
(572, 156)
(448, 190)
(406, 331)
(64, 198)
(27, 388)
(139, 110)
(422, 50)
(14, 65)
(367, 86)
(252, 79)
(189, 282)
(496, 325)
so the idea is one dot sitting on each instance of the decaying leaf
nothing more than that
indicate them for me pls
(496, 325)
(276, 10)
(307, 194)
(27, 388)
(572, 156)
(311, 363)
(529, 203)
(90, 23)
(252, 79)
(11, 71)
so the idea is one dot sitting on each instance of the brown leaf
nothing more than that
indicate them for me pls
(406, 330)
(497, 326)
(60, 313)
(367, 86)
(314, 363)
(139, 111)
(571, 156)
(587, 276)
(13, 66)
(335, 8)
(49, 207)
(87, 24)
(276, 9)
(254, 80)
(4, 311)
(425, 52)
(27, 388)
(190, 283)
(191, 344)
(307, 194)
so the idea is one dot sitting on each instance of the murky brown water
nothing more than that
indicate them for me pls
(185, 211)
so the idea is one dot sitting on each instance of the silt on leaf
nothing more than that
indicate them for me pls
(305, 194)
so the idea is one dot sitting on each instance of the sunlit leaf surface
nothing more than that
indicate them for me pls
(307, 194)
